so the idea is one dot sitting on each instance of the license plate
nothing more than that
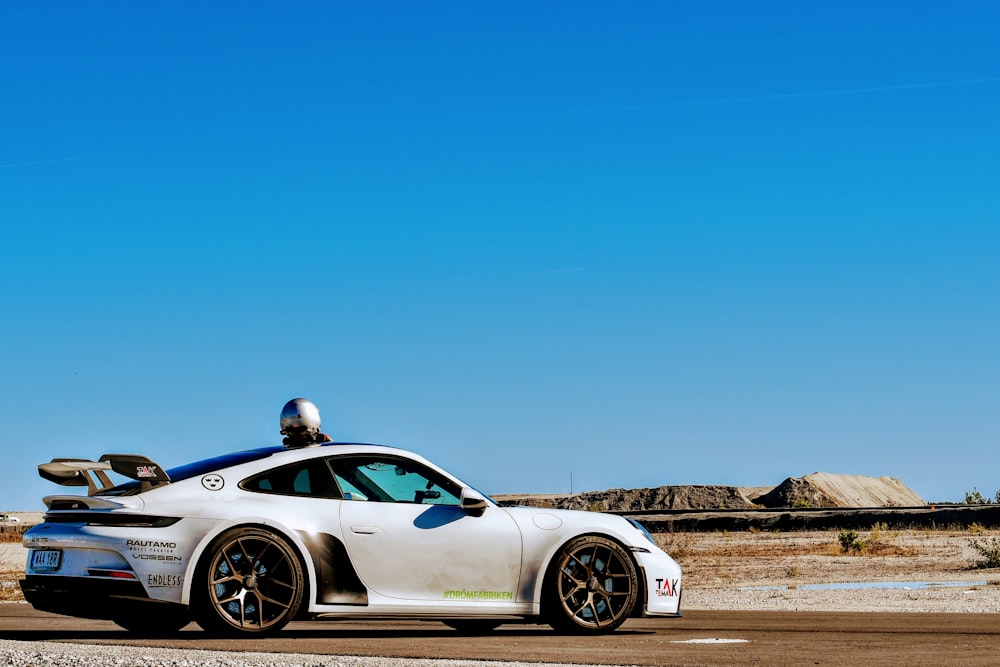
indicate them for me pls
(45, 560)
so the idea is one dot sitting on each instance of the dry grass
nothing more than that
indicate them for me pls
(11, 533)
(10, 538)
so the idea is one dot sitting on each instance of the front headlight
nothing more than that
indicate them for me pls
(642, 529)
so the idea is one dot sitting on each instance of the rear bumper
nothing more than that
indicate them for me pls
(87, 597)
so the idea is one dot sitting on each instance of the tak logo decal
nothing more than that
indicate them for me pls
(213, 482)
(667, 588)
(145, 471)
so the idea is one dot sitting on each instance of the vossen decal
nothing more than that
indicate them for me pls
(145, 471)
(165, 557)
(153, 550)
(478, 595)
(667, 588)
(164, 580)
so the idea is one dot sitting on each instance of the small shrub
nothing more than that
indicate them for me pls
(976, 527)
(801, 504)
(881, 537)
(975, 498)
(850, 541)
(989, 552)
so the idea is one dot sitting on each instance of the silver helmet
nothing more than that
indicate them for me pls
(300, 416)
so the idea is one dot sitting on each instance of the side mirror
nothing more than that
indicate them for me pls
(473, 502)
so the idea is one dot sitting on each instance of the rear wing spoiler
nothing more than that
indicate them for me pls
(94, 476)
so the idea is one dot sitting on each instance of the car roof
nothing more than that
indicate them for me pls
(231, 459)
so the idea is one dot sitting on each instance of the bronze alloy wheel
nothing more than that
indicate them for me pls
(593, 586)
(254, 583)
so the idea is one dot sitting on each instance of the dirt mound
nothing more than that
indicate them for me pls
(795, 492)
(661, 497)
(819, 489)
(823, 489)
(681, 497)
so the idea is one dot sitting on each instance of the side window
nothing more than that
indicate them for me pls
(390, 479)
(305, 478)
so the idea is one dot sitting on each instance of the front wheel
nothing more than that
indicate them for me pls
(250, 582)
(592, 586)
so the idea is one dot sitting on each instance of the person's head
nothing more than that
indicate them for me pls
(300, 421)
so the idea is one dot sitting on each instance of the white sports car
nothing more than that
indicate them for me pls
(245, 542)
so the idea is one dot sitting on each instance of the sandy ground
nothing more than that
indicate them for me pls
(13, 556)
(774, 571)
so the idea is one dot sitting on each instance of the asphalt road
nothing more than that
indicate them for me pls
(772, 638)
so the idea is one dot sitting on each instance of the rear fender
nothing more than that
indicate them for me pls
(250, 522)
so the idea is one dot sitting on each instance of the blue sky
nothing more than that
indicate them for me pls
(633, 243)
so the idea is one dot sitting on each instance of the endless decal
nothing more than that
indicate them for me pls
(162, 580)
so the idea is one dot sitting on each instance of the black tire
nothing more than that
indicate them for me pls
(592, 586)
(155, 623)
(249, 582)
(473, 626)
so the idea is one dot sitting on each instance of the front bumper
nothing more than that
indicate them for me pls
(662, 578)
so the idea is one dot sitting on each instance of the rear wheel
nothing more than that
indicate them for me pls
(592, 586)
(250, 581)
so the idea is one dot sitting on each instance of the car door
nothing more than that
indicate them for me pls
(409, 539)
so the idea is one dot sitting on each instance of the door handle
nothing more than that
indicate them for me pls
(366, 530)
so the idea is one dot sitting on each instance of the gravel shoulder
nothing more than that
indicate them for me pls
(54, 654)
